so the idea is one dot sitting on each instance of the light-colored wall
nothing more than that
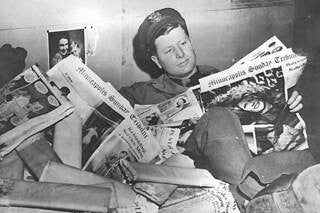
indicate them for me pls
(221, 33)
(25, 23)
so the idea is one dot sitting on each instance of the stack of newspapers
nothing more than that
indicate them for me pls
(70, 128)
(74, 130)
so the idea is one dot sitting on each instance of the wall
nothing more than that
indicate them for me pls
(25, 23)
(221, 33)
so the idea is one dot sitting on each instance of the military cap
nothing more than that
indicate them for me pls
(153, 24)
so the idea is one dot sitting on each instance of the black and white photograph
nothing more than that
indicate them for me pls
(101, 123)
(106, 161)
(252, 102)
(64, 43)
(221, 91)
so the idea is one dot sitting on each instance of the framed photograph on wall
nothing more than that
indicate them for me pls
(62, 43)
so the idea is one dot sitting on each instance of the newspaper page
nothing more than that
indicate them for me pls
(167, 134)
(257, 92)
(251, 138)
(291, 63)
(171, 121)
(217, 199)
(167, 138)
(170, 112)
(111, 128)
(29, 104)
(180, 108)
(271, 46)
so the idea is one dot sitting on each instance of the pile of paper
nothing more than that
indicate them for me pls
(70, 142)
(84, 148)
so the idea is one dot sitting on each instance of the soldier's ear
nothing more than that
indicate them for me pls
(156, 61)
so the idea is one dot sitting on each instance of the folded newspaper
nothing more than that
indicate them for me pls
(28, 104)
(171, 121)
(172, 111)
(111, 129)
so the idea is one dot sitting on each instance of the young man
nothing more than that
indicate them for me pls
(218, 139)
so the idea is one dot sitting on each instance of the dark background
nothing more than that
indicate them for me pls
(307, 39)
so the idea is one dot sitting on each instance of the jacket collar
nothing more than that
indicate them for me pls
(167, 85)
(174, 86)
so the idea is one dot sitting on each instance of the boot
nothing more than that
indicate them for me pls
(262, 170)
(298, 193)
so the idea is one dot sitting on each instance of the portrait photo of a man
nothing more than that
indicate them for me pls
(65, 43)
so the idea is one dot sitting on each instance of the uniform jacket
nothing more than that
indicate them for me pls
(162, 88)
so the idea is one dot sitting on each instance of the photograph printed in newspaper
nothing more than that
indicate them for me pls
(28, 104)
(180, 113)
(106, 161)
(100, 124)
(170, 112)
(258, 97)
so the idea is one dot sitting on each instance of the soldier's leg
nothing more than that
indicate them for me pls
(219, 139)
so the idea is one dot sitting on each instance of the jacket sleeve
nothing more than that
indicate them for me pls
(127, 93)
(136, 93)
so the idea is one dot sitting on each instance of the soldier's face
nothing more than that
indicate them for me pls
(175, 53)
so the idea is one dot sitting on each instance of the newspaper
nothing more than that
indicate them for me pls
(29, 104)
(259, 81)
(171, 121)
(256, 90)
(168, 139)
(111, 129)
(291, 64)
(271, 46)
(217, 199)
(172, 111)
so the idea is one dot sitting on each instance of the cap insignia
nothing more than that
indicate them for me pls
(155, 17)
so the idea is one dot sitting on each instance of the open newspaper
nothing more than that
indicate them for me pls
(256, 90)
(111, 129)
(28, 104)
(265, 56)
